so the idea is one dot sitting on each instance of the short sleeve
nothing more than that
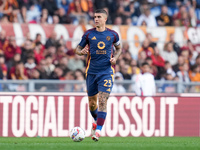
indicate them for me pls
(116, 41)
(84, 40)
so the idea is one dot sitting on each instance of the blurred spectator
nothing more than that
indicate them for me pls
(192, 17)
(38, 52)
(192, 52)
(120, 13)
(11, 10)
(68, 76)
(75, 63)
(61, 52)
(181, 61)
(18, 72)
(132, 12)
(50, 5)
(2, 39)
(79, 75)
(183, 73)
(117, 87)
(49, 66)
(63, 62)
(30, 66)
(128, 22)
(176, 47)
(45, 17)
(146, 48)
(41, 68)
(141, 58)
(136, 75)
(148, 18)
(2, 5)
(22, 16)
(118, 21)
(101, 4)
(185, 54)
(157, 58)
(124, 72)
(27, 50)
(134, 68)
(185, 21)
(63, 17)
(151, 42)
(57, 73)
(194, 73)
(164, 19)
(56, 19)
(169, 54)
(79, 8)
(13, 61)
(10, 48)
(153, 69)
(41, 87)
(168, 87)
(65, 5)
(52, 41)
(198, 60)
(3, 68)
(145, 84)
(33, 13)
(127, 57)
(4, 20)
(168, 69)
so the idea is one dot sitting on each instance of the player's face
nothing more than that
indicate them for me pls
(100, 19)
(145, 69)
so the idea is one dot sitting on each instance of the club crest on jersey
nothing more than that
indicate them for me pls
(108, 38)
(101, 45)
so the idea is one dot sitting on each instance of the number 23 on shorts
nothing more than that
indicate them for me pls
(107, 83)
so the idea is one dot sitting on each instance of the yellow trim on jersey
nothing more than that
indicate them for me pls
(113, 70)
(112, 75)
(88, 66)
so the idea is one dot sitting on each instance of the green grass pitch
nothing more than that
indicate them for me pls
(105, 143)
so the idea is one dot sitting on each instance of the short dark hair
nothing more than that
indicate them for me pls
(101, 11)
(144, 64)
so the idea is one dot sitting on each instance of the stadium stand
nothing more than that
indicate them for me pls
(53, 60)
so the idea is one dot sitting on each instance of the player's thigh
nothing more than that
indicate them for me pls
(105, 83)
(91, 83)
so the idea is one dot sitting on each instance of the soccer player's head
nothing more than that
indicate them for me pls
(100, 17)
(145, 67)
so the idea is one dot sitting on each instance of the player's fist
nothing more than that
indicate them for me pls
(113, 61)
(84, 51)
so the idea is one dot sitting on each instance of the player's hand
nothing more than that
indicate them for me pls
(113, 61)
(84, 51)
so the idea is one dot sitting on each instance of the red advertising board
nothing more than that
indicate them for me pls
(54, 115)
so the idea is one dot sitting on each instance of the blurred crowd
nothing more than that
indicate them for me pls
(121, 12)
(53, 60)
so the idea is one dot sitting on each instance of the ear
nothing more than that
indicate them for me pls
(106, 19)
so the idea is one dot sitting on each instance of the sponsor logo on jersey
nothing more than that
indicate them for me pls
(94, 38)
(101, 45)
(100, 51)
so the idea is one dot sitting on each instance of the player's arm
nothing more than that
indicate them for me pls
(81, 51)
(116, 55)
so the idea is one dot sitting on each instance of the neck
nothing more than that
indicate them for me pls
(101, 29)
